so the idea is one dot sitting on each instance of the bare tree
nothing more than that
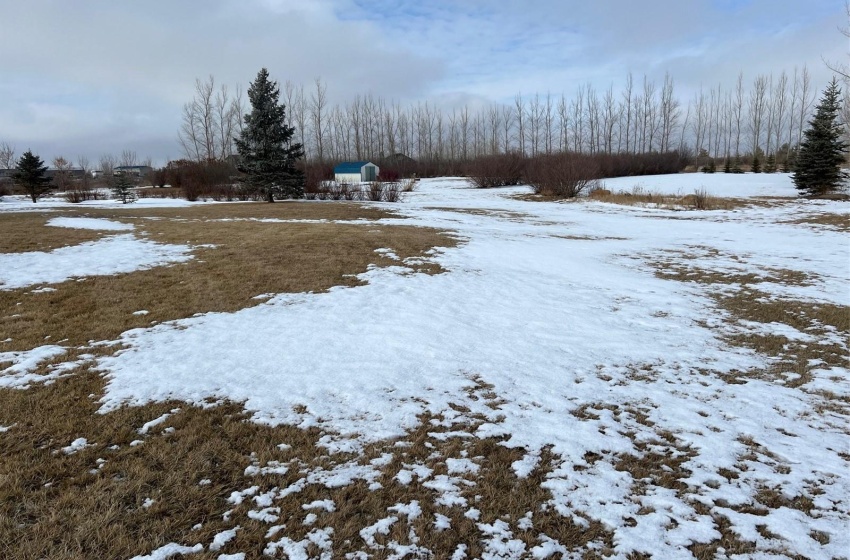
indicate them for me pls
(62, 173)
(7, 156)
(85, 167)
(700, 123)
(670, 113)
(128, 158)
(520, 121)
(627, 107)
(756, 104)
(210, 122)
(779, 109)
(738, 113)
(318, 102)
(842, 68)
(577, 120)
(792, 112)
(806, 99)
(507, 125)
(107, 163)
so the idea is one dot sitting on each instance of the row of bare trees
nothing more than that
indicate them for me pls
(766, 115)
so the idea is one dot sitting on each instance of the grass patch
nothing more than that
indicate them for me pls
(638, 196)
(115, 499)
(840, 222)
(24, 232)
(248, 258)
(824, 327)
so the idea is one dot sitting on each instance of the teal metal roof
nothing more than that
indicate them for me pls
(350, 166)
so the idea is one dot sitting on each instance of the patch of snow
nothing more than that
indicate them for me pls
(111, 255)
(222, 538)
(20, 374)
(327, 505)
(459, 466)
(157, 421)
(76, 445)
(297, 550)
(44, 290)
(90, 223)
(169, 550)
(266, 515)
(442, 522)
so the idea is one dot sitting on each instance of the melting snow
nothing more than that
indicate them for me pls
(111, 255)
(90, 223)
(558, 310)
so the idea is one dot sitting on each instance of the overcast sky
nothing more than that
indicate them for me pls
(94, 76)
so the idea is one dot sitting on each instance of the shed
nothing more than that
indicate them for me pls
(356, 172)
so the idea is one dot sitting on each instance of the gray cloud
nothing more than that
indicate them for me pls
(99, 76)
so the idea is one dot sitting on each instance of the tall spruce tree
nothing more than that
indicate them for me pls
(30, 174)
(817, 169)
(123, 188)
(267, 155)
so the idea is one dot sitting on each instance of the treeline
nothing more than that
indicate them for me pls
(764, 117)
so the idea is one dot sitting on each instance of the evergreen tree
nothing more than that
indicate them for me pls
(123, 188)
(770, 164)
(30, 174)
(756, 166)
(267, 154)
(737, 167)
(817, 169)
(727, 166)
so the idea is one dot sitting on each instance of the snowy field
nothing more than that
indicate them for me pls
(594, 327)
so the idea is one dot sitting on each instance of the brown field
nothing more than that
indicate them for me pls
(117, 498)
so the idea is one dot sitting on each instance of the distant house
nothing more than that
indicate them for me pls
(399, 158)
(133, 170)
(356, 172)
(7, 173)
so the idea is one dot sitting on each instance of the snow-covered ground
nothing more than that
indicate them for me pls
(559, 307)
(111, 255)
(19, 203)
(716, 184)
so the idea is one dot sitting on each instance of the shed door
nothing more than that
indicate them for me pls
(370, 172)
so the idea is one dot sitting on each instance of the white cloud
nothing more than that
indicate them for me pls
(99, 76)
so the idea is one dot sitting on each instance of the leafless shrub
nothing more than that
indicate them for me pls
(315, 175)
(159, 192)
(562, 175)
(496, 171)
(701, 199)
(351, 192)
(392, 192)
(211, 179)
(336, 191)
(375, 191)
(407, 185)
(76, 195)
(4, 188)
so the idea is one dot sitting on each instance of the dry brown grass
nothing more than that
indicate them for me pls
(820, 320)
(59, 506)
(831, 220)
(250, 258)
(64, 506)
(642, 197)
(20, 233)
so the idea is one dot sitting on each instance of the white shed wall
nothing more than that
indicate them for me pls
(347, 177)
